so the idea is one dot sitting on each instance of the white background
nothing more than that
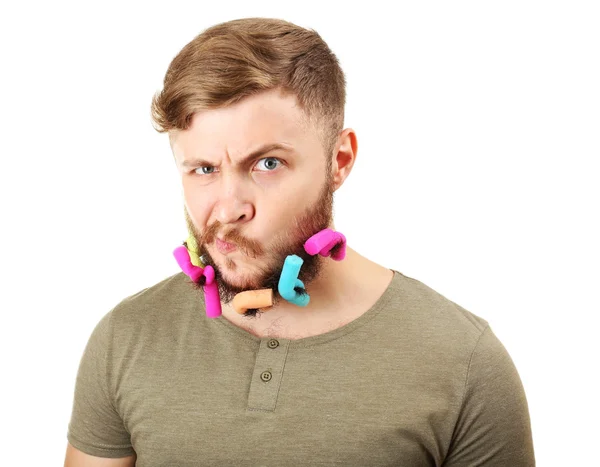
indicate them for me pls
(478, 126)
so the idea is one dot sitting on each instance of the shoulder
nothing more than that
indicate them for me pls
(166, 289)
(429, 304)
(162, 301)
(429, 320)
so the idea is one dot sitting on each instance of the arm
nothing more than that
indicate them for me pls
(493, 426)
(96, 427)
(77, 458)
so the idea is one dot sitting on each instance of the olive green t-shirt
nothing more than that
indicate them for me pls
(416, 380)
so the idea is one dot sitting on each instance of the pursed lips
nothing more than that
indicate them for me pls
(224, 247)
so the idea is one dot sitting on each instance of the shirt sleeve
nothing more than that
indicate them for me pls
(493, 427)
(95, 426)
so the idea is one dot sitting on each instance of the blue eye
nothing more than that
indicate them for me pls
(207, 170)
(270, 163)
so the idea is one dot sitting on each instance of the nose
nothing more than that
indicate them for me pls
(234, 207)
(233, 211)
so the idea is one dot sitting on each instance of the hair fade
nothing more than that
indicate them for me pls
(243, 57)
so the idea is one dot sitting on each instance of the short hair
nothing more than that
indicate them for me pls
(232, 60)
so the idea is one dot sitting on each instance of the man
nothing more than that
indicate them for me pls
(377, 369)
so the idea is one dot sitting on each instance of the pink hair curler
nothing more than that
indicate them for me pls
(212, 299)
(185, 263)
(323, 242)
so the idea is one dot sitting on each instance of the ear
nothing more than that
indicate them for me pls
(343, 157)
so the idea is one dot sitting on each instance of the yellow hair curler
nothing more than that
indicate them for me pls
(192, 247)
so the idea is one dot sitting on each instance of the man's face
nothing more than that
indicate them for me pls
(249, 213)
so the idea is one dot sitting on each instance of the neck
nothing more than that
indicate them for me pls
(340, 286)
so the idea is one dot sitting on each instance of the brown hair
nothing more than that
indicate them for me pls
(239, 58)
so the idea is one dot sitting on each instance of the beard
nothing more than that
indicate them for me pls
(265, 273)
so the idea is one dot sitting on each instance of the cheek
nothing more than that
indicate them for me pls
(198, 205)
(279, 211)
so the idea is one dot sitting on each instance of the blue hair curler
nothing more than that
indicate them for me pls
(288, 281)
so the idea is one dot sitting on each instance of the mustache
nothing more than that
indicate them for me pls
(251, 247)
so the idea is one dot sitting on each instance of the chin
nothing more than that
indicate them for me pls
(243, 273)
(239, 276)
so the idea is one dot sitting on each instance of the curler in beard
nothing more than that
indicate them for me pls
(290, 287)
(204, 276)
(327, 242)
(252, 300)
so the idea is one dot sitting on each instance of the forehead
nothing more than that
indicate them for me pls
(268, 117)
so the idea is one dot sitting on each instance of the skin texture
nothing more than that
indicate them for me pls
(76, 458)
(269, 205)
(268, 261)
(236, 200)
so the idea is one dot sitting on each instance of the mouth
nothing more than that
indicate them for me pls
(225, 247)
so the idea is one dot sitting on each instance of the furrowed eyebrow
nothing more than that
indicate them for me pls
(253, 155)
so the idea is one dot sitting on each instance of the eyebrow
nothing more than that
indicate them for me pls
(264, 149)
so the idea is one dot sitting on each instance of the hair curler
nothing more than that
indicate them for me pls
(192, 247)
(252, 299)
(288, 281)
(324, 242)
(211, 290)
(183, 257)
(212, 299)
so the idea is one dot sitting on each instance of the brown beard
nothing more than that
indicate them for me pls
(290, 242)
